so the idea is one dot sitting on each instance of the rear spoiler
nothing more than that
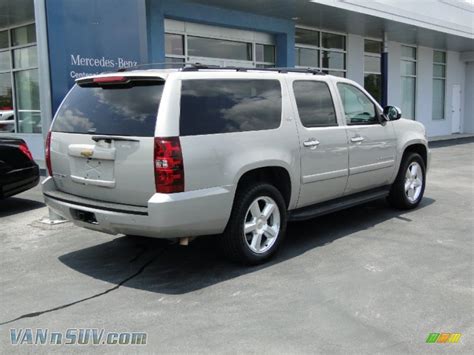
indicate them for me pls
(121, 81)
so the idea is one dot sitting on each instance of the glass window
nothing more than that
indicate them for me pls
(27, 89)
(333, 60)
(174, 62)
(5, 60)
(438, 98)
(19, 73)
(27, 101)
(314, 102)
(128, 111)
(6, 102)
(4, 39)
(439, 85)
(373, 84)
(29, 122)
(174, 44)
(409, 52)
(307, 57)
(25, 57)
(408, 96)
(218, 48)
(372, 64)
(333, 41)
(309, 37)
(339, 73)
(265, 53)
(358, 108)
(439, 70)
(23, 35)
(408, 81)
(7, 115)
(439, 57)
(408, 67)
(222, 106)
(371, 46)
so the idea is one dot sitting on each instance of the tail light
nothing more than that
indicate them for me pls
(24, 149)
(169, 167)
(47, 153)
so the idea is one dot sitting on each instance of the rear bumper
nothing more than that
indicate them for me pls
(186, 214)
(19, 180)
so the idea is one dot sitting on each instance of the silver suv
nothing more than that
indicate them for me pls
(235, 152)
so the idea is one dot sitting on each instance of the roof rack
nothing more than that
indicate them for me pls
(198, 66)
(188, 67)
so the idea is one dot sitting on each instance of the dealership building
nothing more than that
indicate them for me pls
(418, 55)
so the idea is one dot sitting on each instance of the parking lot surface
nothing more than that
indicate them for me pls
(368, 279)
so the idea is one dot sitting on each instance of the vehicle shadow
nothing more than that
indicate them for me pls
(171, 269)
(14, 205)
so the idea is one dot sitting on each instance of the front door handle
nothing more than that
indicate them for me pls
(357, 139)
(311, 143)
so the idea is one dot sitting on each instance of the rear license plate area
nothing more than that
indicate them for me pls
(84, 216)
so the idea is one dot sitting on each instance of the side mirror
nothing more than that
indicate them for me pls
(392, 113)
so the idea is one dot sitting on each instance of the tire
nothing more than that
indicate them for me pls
(247, 248)
(406, 193)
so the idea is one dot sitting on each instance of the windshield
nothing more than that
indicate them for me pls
(112, 110)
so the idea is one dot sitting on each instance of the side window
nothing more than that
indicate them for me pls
(210, 106)
(358, 108)
(314, 102)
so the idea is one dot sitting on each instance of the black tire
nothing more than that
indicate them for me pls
(234, 242)
(398, 198)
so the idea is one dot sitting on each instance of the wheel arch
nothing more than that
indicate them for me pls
(276, 174)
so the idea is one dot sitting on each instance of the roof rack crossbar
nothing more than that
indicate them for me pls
(188, 67)
(199, 66)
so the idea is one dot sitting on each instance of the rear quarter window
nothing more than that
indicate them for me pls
(210, 106)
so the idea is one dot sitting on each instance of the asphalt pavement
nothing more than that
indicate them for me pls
(369, 279)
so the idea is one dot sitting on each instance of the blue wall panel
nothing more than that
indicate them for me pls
(158, 10)
(92, 36)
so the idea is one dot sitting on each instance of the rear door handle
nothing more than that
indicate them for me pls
(357, 139)
(311, 143)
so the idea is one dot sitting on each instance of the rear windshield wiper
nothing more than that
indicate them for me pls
(109, 139)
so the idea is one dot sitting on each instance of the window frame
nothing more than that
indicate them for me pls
(336, 123)
(184, 57)
(322, 49)
(415, 61)
(12, 70)
(374, 55)
(374, 103)
(444, 78)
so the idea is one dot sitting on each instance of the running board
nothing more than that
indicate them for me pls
(338, 204)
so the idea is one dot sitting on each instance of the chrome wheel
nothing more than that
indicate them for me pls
(413, 182)
(262, 224)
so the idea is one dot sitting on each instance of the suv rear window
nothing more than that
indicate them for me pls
(129, 110)
(210, 106)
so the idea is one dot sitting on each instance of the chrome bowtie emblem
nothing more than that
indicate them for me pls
(87, 153)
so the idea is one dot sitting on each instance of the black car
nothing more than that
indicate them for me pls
(18, 170)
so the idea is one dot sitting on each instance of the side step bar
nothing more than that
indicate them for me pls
(338, 204)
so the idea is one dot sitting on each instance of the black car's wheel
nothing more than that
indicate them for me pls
(257, 224)
(409, 186)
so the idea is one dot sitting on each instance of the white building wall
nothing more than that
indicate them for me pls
(456, 74)
(424, 88)
(469, 99)
(355, 58)
(394, 80)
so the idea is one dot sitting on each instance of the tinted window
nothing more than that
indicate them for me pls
(315, 105)
(358, 108)
(221, 106)
(127, 111)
